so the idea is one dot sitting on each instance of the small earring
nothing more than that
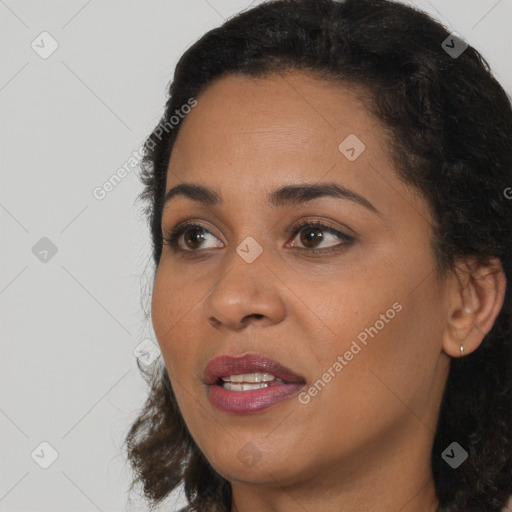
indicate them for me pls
(461, 350)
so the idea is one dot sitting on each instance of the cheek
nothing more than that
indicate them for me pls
(173, 301)
(178, 322)
(400, 348)
(162, 311)
(171, 305)
(387, 330)
(385, 372)
(169, 315)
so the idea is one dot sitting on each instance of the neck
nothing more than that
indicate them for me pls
(398, 477)
(418, 495)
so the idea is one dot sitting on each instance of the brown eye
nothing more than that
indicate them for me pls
(193, 238)
(190, 238)
(312, 234)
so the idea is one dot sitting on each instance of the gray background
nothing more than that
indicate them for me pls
(70, 321)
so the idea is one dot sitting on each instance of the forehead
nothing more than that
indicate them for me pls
(289, 113)
(248, 136)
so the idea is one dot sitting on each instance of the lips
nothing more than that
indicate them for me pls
(224, 366)
(237, 399)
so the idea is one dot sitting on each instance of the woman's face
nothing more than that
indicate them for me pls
(352, 307)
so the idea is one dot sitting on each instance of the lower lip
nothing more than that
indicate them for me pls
(250, 402)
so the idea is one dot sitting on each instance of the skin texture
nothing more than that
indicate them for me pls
(364, 441)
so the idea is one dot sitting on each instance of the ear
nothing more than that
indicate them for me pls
(476, 293)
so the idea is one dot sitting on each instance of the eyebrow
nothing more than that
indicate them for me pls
(283, 196)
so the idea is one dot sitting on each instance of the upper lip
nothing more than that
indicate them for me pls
(224, 366)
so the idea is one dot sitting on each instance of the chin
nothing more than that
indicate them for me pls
(250, 464)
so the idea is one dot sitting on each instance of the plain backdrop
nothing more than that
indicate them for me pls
(74, 267)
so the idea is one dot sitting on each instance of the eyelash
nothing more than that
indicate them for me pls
(172, 239)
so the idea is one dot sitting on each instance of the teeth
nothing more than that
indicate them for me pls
(243, 387)
(251, 377)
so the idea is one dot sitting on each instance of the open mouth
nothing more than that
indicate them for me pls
(249, 381)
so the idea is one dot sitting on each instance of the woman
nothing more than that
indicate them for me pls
(332, 236)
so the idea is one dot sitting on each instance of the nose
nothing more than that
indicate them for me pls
(246, 293)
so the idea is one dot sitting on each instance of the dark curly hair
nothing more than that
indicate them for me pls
(450, 130)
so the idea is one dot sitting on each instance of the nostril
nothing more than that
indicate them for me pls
(254, 315)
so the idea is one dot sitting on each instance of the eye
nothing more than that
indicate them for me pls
(193, 236)
(311, 236)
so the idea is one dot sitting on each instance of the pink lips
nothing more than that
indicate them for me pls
(249, 402)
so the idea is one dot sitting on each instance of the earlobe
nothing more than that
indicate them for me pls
(477, 295)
